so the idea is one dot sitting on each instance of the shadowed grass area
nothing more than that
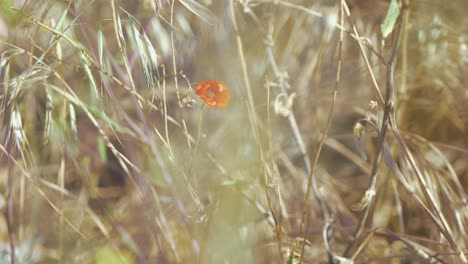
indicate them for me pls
(337, 145)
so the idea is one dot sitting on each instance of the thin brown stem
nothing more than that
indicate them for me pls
(311, 183)
(388, 109)
(254, 122)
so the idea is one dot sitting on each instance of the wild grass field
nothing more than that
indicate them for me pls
(233, 131)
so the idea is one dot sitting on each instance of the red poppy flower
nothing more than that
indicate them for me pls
(214, 93)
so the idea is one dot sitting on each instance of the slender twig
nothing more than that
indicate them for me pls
(363, 54)
(388, 108)
(282, 84)
(311, 183)
(279, 229)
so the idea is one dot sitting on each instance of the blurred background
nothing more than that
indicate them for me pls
(108, 157)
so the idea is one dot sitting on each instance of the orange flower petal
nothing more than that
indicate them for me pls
(214, 93)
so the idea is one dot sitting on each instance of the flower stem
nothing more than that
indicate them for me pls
(200, 115)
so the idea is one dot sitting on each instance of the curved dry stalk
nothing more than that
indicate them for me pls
(388, 109)
(311, 179)
(254, 123)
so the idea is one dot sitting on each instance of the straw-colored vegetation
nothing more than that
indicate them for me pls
(343, 138)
